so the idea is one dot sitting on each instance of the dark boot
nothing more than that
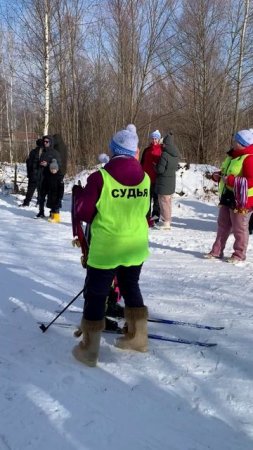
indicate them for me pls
(112, 325)
(24, 204)
(136, 337)
(113, 308)
(87, 350)
(40, 215)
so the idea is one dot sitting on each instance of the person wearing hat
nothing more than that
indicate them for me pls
(53, 190)
(166, 180)
(115, 202)
(33, 169)
(149, 159)
(48, 154)
(236, 198)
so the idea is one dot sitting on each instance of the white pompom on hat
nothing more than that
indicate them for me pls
(244, 137)
(125, 142)
(155, 135)
(103, 158)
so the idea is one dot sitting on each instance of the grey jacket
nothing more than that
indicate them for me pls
(166, 168)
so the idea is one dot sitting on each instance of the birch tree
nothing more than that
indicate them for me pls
(71, 75)
(46, 42)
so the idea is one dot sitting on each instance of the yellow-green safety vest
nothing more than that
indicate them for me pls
(232, 166)
(119, 231)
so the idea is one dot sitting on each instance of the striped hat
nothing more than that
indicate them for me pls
(244, 137)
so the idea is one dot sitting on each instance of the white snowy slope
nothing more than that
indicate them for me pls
(175, 397)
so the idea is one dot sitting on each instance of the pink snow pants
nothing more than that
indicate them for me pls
(231, 222)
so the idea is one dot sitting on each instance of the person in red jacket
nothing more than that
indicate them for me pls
(236, 198)
(149, 159)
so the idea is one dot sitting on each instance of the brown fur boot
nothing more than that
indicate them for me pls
(136, 337)
(87, 350)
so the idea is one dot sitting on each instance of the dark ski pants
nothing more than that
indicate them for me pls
(97, 287)
(154, 209)
(32, 186)
(41, 201)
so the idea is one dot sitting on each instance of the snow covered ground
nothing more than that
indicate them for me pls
(175, 397)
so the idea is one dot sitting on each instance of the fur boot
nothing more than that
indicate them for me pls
(136, 337)
(87, 350)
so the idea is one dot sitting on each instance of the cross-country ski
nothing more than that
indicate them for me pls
(164, 321)
(150, 336)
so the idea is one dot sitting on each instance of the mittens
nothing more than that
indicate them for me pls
(78, 332)
(76, 242)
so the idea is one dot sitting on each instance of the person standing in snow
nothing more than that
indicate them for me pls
(33, 170)
(166, 180)
(61, 148)
(48, 154)
(236, 198)
(149, 159)
(115, 201)
(53, 189)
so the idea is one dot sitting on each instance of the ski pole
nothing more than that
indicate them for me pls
(44, 328)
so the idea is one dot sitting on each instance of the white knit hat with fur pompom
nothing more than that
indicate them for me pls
(125, 142)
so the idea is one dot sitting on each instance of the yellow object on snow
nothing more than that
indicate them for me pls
(55, 218)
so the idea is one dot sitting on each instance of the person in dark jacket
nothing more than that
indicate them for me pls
(48, 154)
(149, 159)
(61, 148)
(115, 201)
(53, 189)
(33, 169)
(166, 180)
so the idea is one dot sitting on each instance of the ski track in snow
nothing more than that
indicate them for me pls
(175, 397)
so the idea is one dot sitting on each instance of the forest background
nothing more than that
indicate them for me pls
(86, 68)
